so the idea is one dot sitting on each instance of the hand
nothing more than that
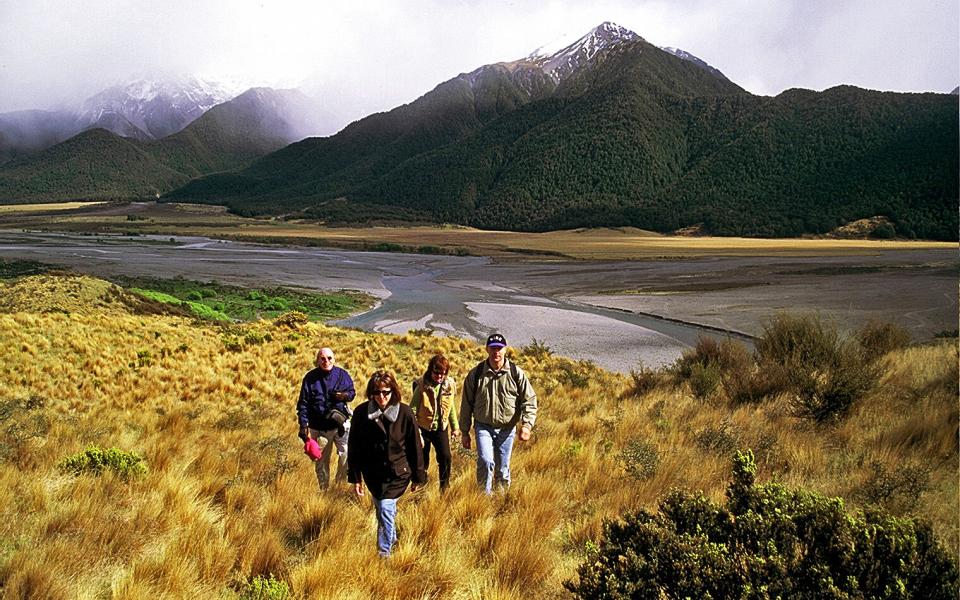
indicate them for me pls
(304, 434)
(465, 440)
(455, 433)
(524, 433)
(358, 489)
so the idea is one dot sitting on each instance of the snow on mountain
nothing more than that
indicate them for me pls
(157, 108)
(684, 55)
(558, 63)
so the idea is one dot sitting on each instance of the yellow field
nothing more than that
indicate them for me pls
(598, 244)
(229, 494)
(48, 207)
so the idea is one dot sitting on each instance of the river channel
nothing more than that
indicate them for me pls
(564, 305)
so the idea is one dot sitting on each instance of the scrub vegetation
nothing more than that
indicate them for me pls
(231, 303)
(227, 506)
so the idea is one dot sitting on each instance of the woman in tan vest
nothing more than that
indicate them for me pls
(434, 405)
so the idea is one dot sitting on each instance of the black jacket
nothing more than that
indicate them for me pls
(386, 459)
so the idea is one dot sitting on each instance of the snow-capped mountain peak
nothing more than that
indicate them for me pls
(559, 58)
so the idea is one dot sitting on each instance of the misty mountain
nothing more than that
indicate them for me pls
(29, 131)
(612, 131)
(156, 108)
(99, 164)
(145, 109)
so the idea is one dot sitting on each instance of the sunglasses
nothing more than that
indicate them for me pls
(386, 393)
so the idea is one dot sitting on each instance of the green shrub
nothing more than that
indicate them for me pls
(828, 393)
(704, 380)
(232, 343)
(277, 304)
(722, 439)
(639, 459)
(96, 460)
(536, 349)
(797, 340)
(265, 588)
(255, 338)
(878, 338)
(195, 295)
(644, 380)
(293, 319)
(825, 373)
(899, 490)
(575, 374)
(207, 312)
(766, 542)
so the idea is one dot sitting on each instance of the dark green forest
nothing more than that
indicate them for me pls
(637, 138)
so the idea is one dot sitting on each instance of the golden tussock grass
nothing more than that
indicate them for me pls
(229, 494)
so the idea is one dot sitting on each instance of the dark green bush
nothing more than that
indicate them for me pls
(639, 459)
(825, 373)
(96, 460)
(766, 542)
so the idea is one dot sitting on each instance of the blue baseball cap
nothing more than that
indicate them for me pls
(496, 341)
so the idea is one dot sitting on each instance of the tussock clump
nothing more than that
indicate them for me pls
(878, 338)
(75, 294)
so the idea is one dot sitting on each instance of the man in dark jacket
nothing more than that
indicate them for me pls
(323, 412)
(385, 453)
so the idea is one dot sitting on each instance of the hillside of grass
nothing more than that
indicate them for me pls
(151, 455)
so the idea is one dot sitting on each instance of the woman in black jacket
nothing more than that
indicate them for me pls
(385, 453)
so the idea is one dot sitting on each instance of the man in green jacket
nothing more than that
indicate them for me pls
(496, 397)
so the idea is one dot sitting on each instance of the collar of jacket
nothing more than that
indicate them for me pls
(390, 413)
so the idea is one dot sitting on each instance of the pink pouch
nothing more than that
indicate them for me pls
(312, 449)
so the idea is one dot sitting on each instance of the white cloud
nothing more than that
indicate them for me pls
(361, 56)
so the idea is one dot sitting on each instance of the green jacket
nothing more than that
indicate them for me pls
(424, 403)
(499, 401)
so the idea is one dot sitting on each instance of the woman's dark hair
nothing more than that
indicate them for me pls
(438, 362)
(384, 378)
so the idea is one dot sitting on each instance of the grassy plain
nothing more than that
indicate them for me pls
(228, 494)
(594, 244)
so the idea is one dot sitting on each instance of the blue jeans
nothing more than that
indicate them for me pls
(386, 524)
(494, 445)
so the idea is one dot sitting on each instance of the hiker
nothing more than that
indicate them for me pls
(323, 412)
(434, 407)
(496, 397)
(385, 453)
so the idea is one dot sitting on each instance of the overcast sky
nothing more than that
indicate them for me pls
(362, 56)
